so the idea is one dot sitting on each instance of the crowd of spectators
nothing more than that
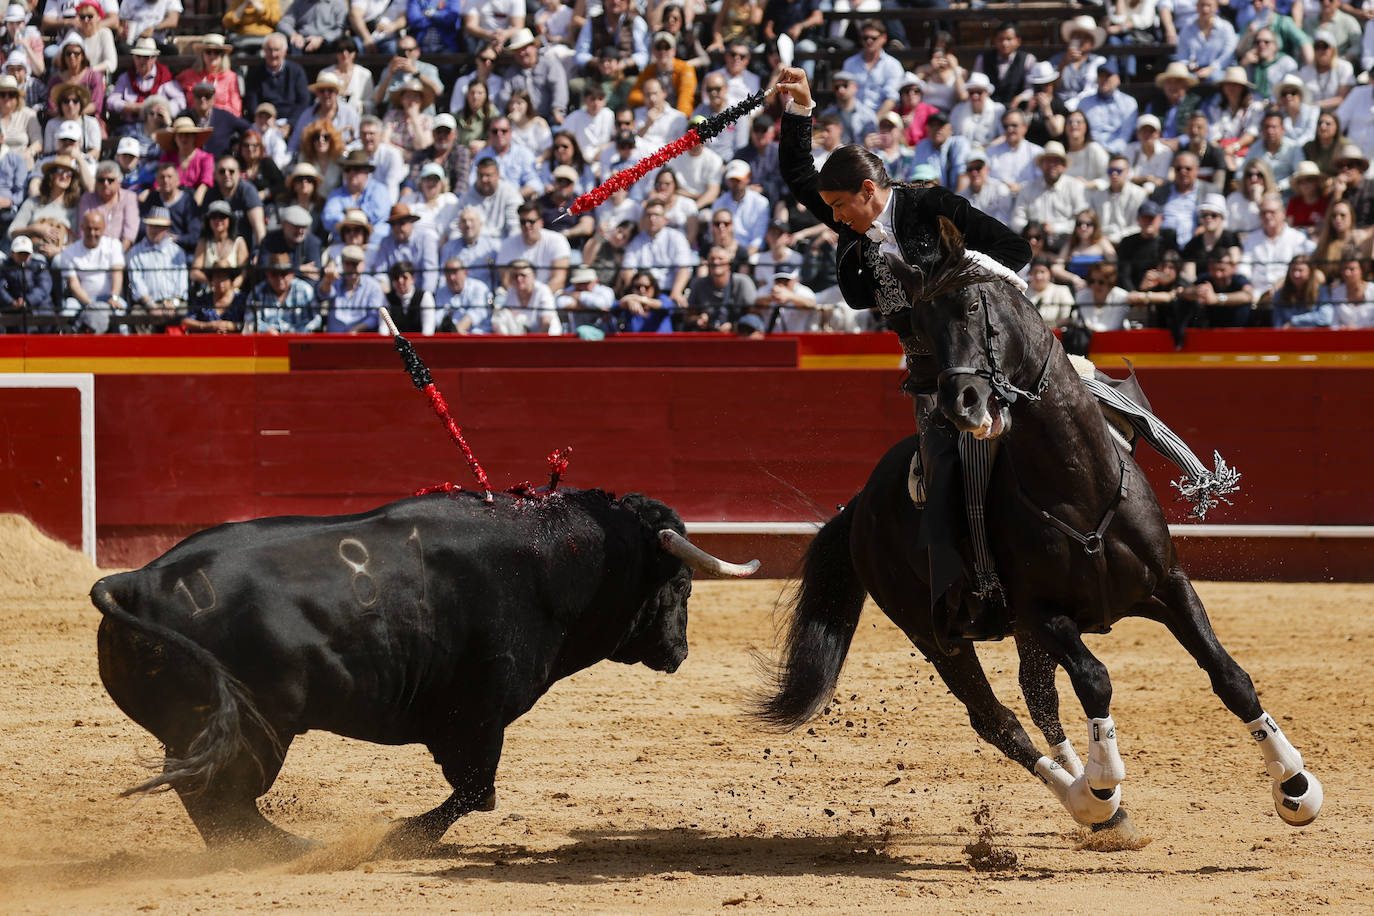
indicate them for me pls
(257, 189)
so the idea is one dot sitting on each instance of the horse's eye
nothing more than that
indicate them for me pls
(972, 306)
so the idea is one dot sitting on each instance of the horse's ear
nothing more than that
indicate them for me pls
(951, 239)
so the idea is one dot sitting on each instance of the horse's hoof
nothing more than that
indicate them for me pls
(1299, 800)
(1114, 834)
(1087, 807)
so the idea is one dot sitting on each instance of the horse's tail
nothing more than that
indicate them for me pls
(825, 613)
(229, 715)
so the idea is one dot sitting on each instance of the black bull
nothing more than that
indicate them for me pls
(435, 620)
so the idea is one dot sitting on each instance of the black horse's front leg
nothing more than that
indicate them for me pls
(1036, 677)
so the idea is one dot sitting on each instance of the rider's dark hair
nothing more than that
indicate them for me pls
(848, 167)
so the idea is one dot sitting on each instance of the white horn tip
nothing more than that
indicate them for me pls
(700, 560)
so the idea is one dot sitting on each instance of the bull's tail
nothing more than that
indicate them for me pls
(230, 717)
(825, 613)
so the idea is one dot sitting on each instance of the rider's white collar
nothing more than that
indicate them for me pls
(881, 230)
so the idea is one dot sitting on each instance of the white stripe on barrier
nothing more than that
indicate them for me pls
(1182, 531)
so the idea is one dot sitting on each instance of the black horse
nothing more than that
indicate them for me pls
(1076, 533)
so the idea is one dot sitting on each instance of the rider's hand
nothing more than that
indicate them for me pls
(793, 82)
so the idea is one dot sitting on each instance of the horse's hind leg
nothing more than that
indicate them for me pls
(1297, 793)
(1042, 701)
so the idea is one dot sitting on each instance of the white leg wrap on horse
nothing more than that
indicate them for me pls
(1064, 755)
(1059, 780)
(1105, 768)
(1281, 760)
(1076, 795)
(1299, 810)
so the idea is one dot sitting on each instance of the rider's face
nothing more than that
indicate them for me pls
(857, 210)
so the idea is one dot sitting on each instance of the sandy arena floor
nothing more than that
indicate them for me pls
(626, 790)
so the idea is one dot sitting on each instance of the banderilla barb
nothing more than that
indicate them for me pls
(419, 375)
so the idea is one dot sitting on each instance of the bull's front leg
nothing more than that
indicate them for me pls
(469, 759)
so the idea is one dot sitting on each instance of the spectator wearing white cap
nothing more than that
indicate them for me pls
(857, 120)
(25, 284)
(984, 191)
(979, 117)
(1116, 204)
(454, 158)
(1148, 156)
(789, 304)
(1214, 235)
(1330, 76)
(19, 35)
(35, 90)
(434, 203)
(750, 209)
(67, 137)
(294, 239)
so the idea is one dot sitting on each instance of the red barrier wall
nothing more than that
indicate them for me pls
(722, 429)
(40, 458)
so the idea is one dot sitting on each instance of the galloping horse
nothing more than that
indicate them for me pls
(1075, 531)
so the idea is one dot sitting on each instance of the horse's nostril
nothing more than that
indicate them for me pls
(969, 400)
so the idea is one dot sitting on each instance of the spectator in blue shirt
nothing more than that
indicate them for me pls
(358, 191)
(1111, 113)
(877, 73)
(436, 25)
(353, 299)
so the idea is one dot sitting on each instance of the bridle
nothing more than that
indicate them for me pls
(993, 374)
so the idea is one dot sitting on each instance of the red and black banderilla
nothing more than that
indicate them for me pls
(419, 375)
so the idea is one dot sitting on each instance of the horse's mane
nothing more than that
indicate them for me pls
(946, 265)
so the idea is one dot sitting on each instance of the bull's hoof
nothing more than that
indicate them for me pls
(1299, 800)
(488, 803)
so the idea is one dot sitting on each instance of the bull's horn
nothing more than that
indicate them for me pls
(702, 561)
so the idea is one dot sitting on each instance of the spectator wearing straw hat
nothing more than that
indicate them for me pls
(543, 77)
(586, 302)
(1052, 199)
(1078, 62)
(311, 24)
(1352, 186)
(328, 107)
(158, 283)
(979, 117)
(182, 145)
(278, 80)
(1172, 103)
(214, 68)
(409, 123)
(18, 35)
(70, 100)
(148, 77)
